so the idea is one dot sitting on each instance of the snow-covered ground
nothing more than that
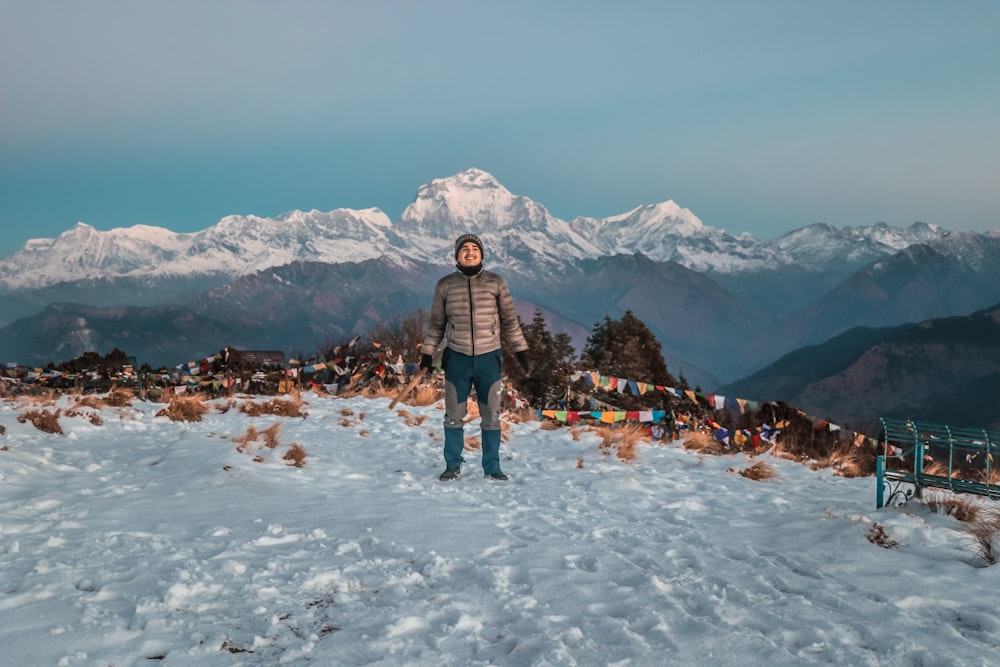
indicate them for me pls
(131, 539)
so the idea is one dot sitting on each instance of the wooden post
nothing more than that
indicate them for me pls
(408, 388)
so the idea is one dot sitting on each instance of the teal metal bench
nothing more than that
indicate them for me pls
(933, 455)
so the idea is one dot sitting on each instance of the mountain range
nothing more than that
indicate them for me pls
(723, 305)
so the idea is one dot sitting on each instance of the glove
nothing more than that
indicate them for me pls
(522, 358)
(426, 362)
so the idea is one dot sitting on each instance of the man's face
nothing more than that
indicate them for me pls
(469, 255)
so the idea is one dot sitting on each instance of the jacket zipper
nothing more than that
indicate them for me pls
(472, 319)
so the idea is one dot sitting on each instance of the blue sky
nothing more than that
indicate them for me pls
(758, 116)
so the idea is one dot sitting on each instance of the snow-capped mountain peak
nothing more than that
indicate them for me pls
(517, 231)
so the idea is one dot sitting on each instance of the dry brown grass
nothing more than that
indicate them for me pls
(985, 532)
(623, 439)
(847, 460)
(270, 435)
(551, 425)
(411, 420)
(243, 442)
(472, 444)
(291, 407)
(982, 523)
(44, 399)
(759, 471)
(120, 397)
(705, 443)
(961, 509)
(44, 420)
(516, 416)
(184, 409)
(296, 455)
(91, 401)
(252, 439)
(425, 395)
(878, 536)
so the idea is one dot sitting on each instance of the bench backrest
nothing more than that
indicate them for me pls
(947, 457)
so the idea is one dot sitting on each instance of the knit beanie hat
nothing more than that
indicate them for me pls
(466, 238)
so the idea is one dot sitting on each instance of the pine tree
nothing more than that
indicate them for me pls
(626, 348)
(550, 360)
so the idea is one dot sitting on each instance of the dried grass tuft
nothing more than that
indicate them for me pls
(184, 409)
(91, 401)
(961, 509)
(411, 420)
(244, 441)
(623, 439)
(985, 532)
(703, 442)
(291, 407)
(759, 471)
(43, 420)
(120, 397)
(270, 435)
(878, 536)
(296, 455)
(424, 395)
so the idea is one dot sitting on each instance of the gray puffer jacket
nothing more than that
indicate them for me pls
(474, 313)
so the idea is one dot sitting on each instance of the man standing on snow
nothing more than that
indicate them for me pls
(473, 308)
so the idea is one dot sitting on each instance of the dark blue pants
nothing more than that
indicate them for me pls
(462, 373)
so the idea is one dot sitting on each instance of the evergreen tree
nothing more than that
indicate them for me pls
(550, 361)
(626, 348)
